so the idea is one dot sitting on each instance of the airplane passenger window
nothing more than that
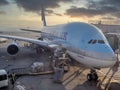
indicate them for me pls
(101, 41)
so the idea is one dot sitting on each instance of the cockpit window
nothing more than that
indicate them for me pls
(93, 41)
(101, 41)
(90, 41)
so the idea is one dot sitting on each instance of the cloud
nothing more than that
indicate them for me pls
(95, 8)
(108, 18)
(89, 12)
(117, 14)
(114, 3)
(50, 12)
(111, 5)
(2, 12)
(35, 5)
(3, 2)
(58, 14)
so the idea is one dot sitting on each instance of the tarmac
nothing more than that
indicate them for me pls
(75, 79)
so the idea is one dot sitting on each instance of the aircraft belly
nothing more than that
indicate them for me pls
(91, 62)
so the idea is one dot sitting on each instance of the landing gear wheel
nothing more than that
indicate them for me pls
(95, 76)
(92, 76)
(89, 77)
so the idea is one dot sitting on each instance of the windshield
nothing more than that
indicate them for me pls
(93, 41)
(3, 77)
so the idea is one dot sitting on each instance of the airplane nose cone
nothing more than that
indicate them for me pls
(102, 52)
(104, 55)
(108, 56)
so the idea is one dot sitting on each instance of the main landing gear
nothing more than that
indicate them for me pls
(92, 76)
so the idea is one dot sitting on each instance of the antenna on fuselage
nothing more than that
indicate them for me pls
(43, 13)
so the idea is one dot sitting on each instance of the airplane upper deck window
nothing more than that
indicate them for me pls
(101, 41)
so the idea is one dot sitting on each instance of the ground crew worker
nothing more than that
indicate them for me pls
(13, 79)
(65, 53)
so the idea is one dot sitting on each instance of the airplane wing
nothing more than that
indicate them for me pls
(35, 41)
(44, 44)
(30, 30)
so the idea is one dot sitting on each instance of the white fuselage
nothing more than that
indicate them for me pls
(84, 42)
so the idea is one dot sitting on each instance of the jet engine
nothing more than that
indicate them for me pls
(13, 48)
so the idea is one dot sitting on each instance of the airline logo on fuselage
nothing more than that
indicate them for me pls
(55, 35)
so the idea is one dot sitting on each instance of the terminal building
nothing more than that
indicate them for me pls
(108, 28)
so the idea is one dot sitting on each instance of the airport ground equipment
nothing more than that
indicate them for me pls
(60, 64)
(3, 78)
(58, 76)
(37, 67)
(61, 59)
(27, 72)
(60, 67)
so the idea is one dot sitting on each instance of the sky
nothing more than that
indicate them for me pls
(26, 13)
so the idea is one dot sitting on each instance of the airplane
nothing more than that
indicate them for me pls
(84, 42)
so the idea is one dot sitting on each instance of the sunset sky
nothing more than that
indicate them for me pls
(26, 13)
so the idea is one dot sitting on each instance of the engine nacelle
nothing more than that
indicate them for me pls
(13, 48)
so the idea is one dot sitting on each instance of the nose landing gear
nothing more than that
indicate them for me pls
(92, 75)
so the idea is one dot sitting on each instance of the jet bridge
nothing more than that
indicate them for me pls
(113, 41)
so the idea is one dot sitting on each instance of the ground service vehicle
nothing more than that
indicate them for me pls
(3, 78)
